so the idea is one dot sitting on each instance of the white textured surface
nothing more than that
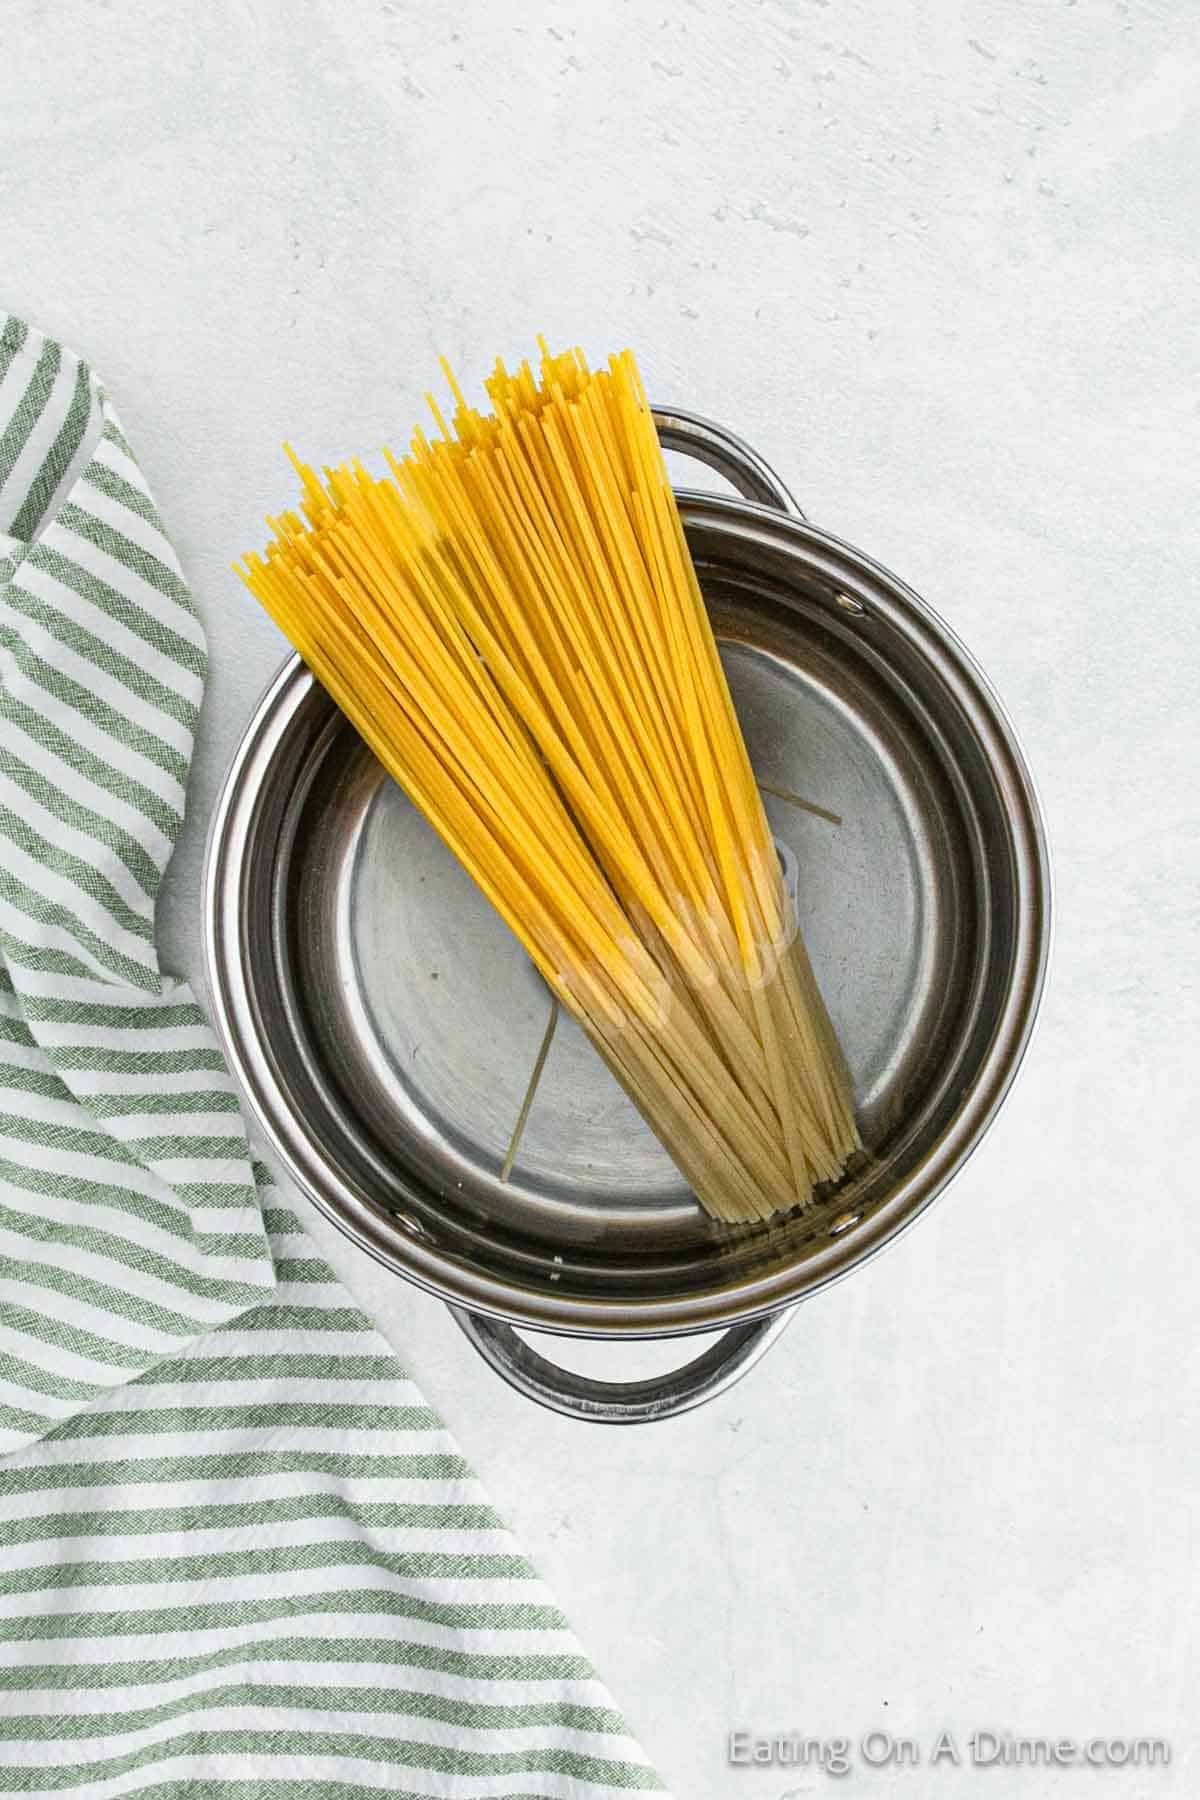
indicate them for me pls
(934, 259)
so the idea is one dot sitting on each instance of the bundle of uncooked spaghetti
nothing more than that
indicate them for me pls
(511, 620)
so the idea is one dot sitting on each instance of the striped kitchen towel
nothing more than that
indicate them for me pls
(240, 1557)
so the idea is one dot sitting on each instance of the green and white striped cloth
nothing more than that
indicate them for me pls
(239, 1555)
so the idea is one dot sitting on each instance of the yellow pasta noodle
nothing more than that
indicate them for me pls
(511, 620)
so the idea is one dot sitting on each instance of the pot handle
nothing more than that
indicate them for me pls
(622, 1402)
(721, 450)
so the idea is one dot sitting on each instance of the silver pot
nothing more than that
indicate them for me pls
(382, 1021)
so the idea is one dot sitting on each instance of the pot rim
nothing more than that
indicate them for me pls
(750, 1297)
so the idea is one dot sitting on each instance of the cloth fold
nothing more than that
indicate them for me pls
(242, 1555)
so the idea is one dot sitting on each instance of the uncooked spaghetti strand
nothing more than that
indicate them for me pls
(511, 618)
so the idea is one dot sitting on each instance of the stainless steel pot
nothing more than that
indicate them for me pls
(382, 1021)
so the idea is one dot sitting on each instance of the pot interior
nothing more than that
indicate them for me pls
(400, 1020)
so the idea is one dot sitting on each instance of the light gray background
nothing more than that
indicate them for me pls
(936, 261)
